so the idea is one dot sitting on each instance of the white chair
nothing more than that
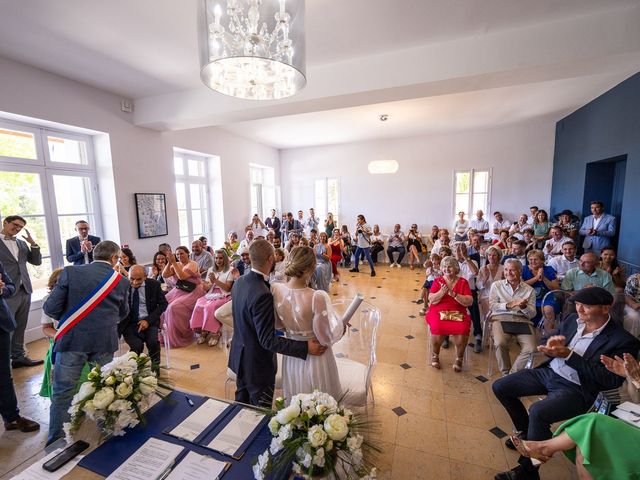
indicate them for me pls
(487, 342)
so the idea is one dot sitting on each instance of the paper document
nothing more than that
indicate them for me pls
(36, 472)
(355, 303)
(629, 412)
(199, 420)
(149, 462)
(198, 467)
(233, 435)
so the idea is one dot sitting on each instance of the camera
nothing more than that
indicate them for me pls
(359, 230)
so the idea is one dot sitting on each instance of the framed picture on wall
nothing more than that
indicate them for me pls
(151, 210)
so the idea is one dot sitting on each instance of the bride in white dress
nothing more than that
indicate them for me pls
(303, 313)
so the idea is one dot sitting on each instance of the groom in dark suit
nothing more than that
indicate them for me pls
(572, 376)
(254, 346)
(146, 304)
(80, 248)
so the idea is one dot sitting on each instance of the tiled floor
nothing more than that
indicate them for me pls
(433, 424)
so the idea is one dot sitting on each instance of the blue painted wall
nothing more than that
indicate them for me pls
(605, 128)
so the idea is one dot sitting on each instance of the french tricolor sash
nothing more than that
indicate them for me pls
(90, 302)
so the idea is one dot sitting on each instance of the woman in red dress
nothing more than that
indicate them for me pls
(337, 246)
(449, 298)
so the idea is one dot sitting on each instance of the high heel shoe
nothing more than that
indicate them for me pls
(524, 450)
(457, 364)
(435, 361)
(201, 338)
(214, 338)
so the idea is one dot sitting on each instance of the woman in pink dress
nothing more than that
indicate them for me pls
(220, 278)
(449, 298)
(181, 303)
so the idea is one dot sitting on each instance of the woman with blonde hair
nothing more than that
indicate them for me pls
(488, 274)
(448, 314)
(303, 313)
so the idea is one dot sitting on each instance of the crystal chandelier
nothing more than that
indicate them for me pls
(255, 49)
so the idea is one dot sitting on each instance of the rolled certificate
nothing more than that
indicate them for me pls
(355, 303)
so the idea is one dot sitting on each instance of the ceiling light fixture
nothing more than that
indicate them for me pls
(381, 167)
(244, 58)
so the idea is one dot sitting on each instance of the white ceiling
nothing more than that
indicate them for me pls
(434, 65)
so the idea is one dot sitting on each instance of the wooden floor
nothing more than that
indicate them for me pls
(434, 424)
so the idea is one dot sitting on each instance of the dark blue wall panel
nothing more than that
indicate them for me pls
(605, 128)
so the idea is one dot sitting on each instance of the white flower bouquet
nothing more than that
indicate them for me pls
(115, 395)
(317, 438)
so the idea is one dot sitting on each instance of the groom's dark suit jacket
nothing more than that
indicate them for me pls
(255, 343)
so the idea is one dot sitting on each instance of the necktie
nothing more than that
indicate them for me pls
(135, 306)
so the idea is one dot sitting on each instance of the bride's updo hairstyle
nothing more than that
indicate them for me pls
(301, 259)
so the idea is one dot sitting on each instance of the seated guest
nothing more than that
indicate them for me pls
(166, 249)
(246, 241)
(347, 241)
(609, 263)
(231, 245)
(449, 298)
(377, 243)
(80, 249)
(487, 275)
(518, 252)
(498, 225)
(277, 242)
(569, 224)
(501, 240)
(534, 211)
(201, 257)
(257, 226)
(8, 402)
(218, 283)
(518, 227)
(512, 300)
(414, 245)
(294, 241)
(543, 279)
(313, 237)
(528, 238)
(182, 299)
(602, 447)
(157, 266)
(572, 376)
(278, 275)
(479, 224)
(442, 241)
(632, 307)
(432, 270)
(598, 228)
(475, 247)
(321, 278)
(271, 236)
(468, 271)
(127, 260)
(541, 227)
(587, 275)
(243, 264)
(337, 247)
(146, 303)
(429, 240)
(565, 262)
(396, 244)
(553, 246)
(460, 228)
(205, 246)
(273, 223)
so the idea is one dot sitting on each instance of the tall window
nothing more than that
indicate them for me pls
(48, 177)
(263, 190)
(472, 191)
(192, 192)
(327, 198)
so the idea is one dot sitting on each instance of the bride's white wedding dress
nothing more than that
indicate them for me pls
(304, 313)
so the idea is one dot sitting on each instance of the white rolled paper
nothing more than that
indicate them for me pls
(355, 303)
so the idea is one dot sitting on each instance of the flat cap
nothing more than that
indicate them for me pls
(593, 296)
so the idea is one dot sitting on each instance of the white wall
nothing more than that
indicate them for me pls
(421, 191)
(142, 159)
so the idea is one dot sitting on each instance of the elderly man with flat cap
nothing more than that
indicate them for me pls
(570, 378)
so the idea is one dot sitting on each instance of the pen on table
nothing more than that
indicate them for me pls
(189, 400)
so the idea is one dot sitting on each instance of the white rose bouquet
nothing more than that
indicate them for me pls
(115, 395)
(317, 438)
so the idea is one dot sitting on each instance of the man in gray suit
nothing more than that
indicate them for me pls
(92, 339)
(14, 255)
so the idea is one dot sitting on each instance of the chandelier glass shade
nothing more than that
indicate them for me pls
(252, 49)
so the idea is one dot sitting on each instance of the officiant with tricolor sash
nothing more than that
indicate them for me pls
(88, 301)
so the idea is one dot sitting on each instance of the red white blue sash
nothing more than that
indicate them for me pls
(90, 302)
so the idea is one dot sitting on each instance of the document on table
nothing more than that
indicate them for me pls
(198, 467)
(234, 434)
(36, 472)
(628, 412)
(150, 462)
(199, 420)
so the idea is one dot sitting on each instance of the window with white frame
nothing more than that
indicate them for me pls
(192, 192)
(263, 190)
(49, 178)
(472, 191)
(327, 198)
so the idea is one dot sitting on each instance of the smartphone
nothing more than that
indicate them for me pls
(65, 456)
